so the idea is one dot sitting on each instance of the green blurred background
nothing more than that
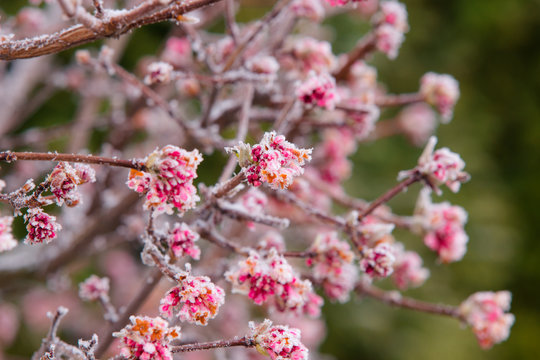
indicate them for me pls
(492, 48)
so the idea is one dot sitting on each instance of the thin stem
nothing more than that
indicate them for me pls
(224, 188)
(365, 46)
(244, 341)
(390, 194)
(234, 212)
(394, 298)
(10, 156)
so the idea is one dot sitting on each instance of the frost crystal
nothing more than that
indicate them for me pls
(181, 241)
(279, 341)
(94, 288)
(41, 226)
(319, 90)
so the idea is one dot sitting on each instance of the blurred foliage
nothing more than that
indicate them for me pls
(491, 47)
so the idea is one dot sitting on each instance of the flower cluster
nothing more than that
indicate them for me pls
(333, 265)
(331, 155)
(391, 26)
(378, 262)
(278, 341)
(170, 181)
(274, 161)
(311, 9)
(181, 240)
(7, 241)
(147, 338)
(271, 278)
(306, 54)
(41, 227)
(486, 313)
(417, 122)
(408, 270)
(63, 181)
(440, 166)
(318, 90)
(158, 72)
(94, 288)
(196, 300)
(443, 226)
(441, 91)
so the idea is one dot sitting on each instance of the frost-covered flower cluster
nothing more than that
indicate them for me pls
(392, 24)
(7, 241)
(195, 300)
(158, 72)
(311, 9)
(278, 341)
(147, 338)
(441, 91)
(41, 227)
(443, 226)
(94, 288)
(333, 265)
(318, 90)
(64, 179)
(378, 262)
(440, 166)
(181, 240)
(270, 278)
(408, 270)
(169, 183)
(331, 155)
(486, 313)
(274, 161)
(306, 54)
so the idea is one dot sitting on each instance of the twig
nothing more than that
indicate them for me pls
(234, 212)
(364, 47)
(10, 156)
(244, 341)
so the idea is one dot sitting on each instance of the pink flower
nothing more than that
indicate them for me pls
(147, 338)
(443, 225)
(279, 342)
(378, 262)
(394, 13)
(94, 288)
(158, 73)
(181, 240)
(41, 226)
(389, 40)
(85, 173)
(177, 52)
(274, 161)
(332, 155)
(306, 54)
(7, 241)
(318, 90)
(440, 167)
(63, 182)
(486, 313)
(441, 91)
(417, 122)
(333, 265)
(408, 270)
(170, 181)
(342, 2)
(195, 300)
(270, 278)
(311, 9)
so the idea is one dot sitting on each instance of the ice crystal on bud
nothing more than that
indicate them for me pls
(181, 240)
(94, 288)
(274, 161)
(147, 338)
(319, 90)
(85, 173)
(443, 225)
(169, 183)
(278, 341)
(63, 182)
(263, 65)
(42, 227)
(195, 300)
(158, 72)
(408, 270)
(306, 54)
(486, 313)
(440, 166)
(270, 278)
(333, 265)
(7, 241)
(378, 262)
(441, 91)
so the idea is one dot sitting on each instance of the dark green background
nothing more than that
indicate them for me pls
(492, 48)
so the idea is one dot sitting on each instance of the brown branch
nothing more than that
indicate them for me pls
(10, 156)
(117, 25)
(365, 46)
(394, 298)
(244, 341)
